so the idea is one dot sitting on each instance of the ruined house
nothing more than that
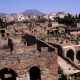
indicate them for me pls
(35, 60)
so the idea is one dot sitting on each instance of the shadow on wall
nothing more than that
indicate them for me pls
(31, 40)
(59, 48)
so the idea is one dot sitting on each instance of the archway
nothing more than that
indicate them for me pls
(78, 55)
(70, 54)
(35, 73)
(7, 74)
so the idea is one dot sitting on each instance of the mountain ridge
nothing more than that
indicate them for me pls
(26, 12)
(32, 12)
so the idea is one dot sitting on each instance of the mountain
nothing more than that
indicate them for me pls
(13, 14)
(2, 14)
(26, 12)
(32, 12)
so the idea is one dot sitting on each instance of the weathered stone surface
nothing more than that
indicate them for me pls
(24, 57)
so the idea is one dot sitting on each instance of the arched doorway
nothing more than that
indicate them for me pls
(7, 74)
(35, 73)
(78, 55)
(70, 54)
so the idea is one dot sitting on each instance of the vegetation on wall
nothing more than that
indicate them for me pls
(2, 24)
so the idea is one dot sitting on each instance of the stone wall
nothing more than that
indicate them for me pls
(75, 49)
(24, 57)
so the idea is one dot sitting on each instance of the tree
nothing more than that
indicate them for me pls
(31, 22)
(67, 20)
(79, 16)
(41, 19)
(2, 24)
(76, 16)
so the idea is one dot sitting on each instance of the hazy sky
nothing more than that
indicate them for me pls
(46, 6)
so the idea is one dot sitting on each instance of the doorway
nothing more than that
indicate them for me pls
(35, 73)
(78, 55)
(70, 54)
(7, 74)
